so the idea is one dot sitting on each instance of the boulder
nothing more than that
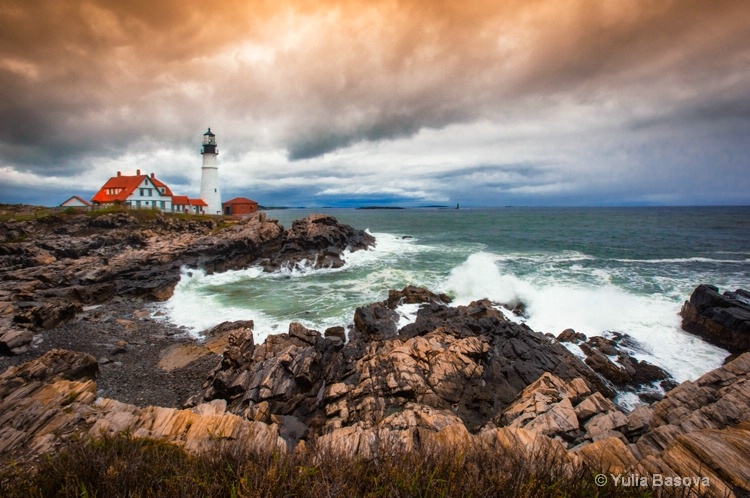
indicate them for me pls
(414, 295)
(14, 341)
(721, 319)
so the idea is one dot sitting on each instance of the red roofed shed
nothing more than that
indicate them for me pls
(239, 206)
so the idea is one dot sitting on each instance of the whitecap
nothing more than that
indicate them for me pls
(553, 303)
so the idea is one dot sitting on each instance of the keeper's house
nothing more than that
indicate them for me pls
(144, 192)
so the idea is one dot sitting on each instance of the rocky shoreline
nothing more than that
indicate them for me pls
(457, 377)
(128, 344)
(91, 283)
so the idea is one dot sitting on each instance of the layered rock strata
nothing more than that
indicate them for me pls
(700, 430)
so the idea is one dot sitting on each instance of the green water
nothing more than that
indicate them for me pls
(592, 269)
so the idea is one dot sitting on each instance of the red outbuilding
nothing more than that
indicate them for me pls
(239, 206)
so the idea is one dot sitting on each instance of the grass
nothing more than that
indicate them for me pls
(126, 466)
(20, 212)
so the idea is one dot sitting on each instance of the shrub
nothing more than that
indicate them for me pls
(126, 466)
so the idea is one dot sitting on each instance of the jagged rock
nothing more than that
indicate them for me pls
(376, 321)
(627, 371)
(567, 411)
(319, 241)
(337, 335)
(721, 319)
(468, 359)
(407, 429)
(605, 423)
(700, 429)
(718, 399)
(606, 346)
(592, 405)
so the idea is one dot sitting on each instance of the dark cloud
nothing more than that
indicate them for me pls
(564, 85)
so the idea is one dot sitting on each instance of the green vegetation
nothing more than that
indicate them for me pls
(23, 212)
(126, 466)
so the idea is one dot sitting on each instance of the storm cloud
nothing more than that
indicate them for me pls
(404, 101)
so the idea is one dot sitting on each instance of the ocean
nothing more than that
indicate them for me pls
(596, 270)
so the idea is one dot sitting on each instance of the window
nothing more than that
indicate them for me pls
(141, 190)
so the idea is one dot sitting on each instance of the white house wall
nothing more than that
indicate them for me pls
(140, 197)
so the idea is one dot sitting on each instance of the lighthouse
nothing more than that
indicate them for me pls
(210, 191)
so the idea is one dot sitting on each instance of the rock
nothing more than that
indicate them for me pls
(374, 322)
(608, 369)
(606, 346)
(627, 372)
(52, 398)
(592, 405)
(642, 372)
(14, 341)
(566, 411)
(567, 335)
(603, 423)
(396, 393)
(318, 241)
(721, 319)
(467, 359)
(718, 399)
(338, 333)
(414, 295)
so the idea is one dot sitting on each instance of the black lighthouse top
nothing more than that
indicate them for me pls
(209, 143)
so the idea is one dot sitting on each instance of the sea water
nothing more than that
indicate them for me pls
(596, 270)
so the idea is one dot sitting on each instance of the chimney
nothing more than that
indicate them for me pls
(153, 175)
(119, 173)
(137, 172)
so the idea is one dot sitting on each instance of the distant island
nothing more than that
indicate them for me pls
(379, 207)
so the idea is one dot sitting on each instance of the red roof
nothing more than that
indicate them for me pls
(240, 200)
(183, 200)
(123, 186)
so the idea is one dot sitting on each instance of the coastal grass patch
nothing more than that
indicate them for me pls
(123, 465)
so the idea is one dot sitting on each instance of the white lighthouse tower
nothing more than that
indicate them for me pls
(210, 191)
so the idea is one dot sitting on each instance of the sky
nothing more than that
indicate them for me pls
(396, 102)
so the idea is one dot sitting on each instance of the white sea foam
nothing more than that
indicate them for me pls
(201, 301)
(407, 314)
(554, 304)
